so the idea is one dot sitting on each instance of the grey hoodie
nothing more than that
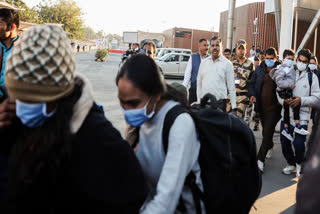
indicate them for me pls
(283, 76)
(302, 90)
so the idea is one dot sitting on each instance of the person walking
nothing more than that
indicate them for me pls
(145, 101)
(216, 77)
(78, 48)
(306, 94)
(64, 155)
(192, 69)
(9, 24)
(243, 68)
(262, 92)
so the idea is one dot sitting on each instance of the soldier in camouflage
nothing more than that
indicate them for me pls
(243, 67)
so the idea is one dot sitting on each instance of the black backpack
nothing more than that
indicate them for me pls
(227, 159)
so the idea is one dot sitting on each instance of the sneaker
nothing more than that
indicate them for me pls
(269, 153)
(287, 135)
(298, 170)
(260, 165)
(288, 169)
(301, 131)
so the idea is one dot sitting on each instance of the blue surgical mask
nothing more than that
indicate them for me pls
(269, 62)
(136, 117)
(32, 115)
(288, 62)
(312, 67)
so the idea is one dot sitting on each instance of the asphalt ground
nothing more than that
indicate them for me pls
(278, 190)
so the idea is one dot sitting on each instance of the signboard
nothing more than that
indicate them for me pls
(183, 34)
(130, 37)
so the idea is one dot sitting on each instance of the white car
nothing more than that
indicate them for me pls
(173, 64)
(160, 52)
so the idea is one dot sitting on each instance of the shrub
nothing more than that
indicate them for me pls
(101, 54)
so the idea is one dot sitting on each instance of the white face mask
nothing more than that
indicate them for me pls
(301, 66)
(312, 67)
(288, 62)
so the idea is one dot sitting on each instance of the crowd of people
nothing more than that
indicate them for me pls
(60, 154)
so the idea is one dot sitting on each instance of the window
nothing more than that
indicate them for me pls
(177, 51)
(173, 58)
(185, 58)
(186, 52)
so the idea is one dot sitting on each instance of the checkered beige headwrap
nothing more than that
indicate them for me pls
(41, 66)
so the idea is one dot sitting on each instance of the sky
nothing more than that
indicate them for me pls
(116, 16)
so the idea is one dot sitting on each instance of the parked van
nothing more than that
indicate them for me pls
(163, 51)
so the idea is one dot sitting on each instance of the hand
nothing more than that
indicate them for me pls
(293, 86)
(295, 102)
(252, 100)
(7, 112)
(287, 101)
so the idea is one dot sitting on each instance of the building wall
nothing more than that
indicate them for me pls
(244, 28)
(189, 43)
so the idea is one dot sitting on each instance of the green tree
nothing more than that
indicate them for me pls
(89, 33)
(28, 14)
(65, 12)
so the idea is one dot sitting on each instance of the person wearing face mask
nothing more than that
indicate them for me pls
(145, 101)
(64, 155)
(313, 65)
(262, 92)
(306, 94)
(285, 77)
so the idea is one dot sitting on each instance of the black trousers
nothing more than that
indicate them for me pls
(296, 113)
(269, 120)
(192, 95)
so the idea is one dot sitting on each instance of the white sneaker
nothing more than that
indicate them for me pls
(288, 169)
(287, 135)
(301, 131)
(260, 165)
(269, 153)
(298, 168)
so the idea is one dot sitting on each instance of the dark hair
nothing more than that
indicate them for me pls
(143, 72)
(136, 44)
(10, 17)
(227, 50)
(45, 150)
(256, 58)
(306, 53)
(315, 59)
(202, 40)
(288, 52)
(216, 38)
(271, 51)
(150, 43)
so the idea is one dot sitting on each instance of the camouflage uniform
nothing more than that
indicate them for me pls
(242, 73)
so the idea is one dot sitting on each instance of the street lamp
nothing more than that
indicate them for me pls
(255, 23)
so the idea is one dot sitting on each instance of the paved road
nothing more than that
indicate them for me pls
(278, 191)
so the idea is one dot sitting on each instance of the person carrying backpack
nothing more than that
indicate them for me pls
(305, 94)
(169, 151)
(64, 155)
(141, 93)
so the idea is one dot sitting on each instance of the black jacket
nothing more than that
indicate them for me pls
(101, 176)
(256, 83)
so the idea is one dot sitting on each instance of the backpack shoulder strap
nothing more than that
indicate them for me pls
(170, 117)
(310, 75)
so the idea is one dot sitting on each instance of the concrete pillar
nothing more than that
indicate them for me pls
(277, 15)
(232, 4)
(296, 30)
(315, 42)
(286, 25)
(312, 27)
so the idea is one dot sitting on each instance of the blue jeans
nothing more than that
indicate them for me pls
(297, 156)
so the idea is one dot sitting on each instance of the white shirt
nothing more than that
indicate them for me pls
(216, 77)
(252, 53)
(187, 73)
(165, 174)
